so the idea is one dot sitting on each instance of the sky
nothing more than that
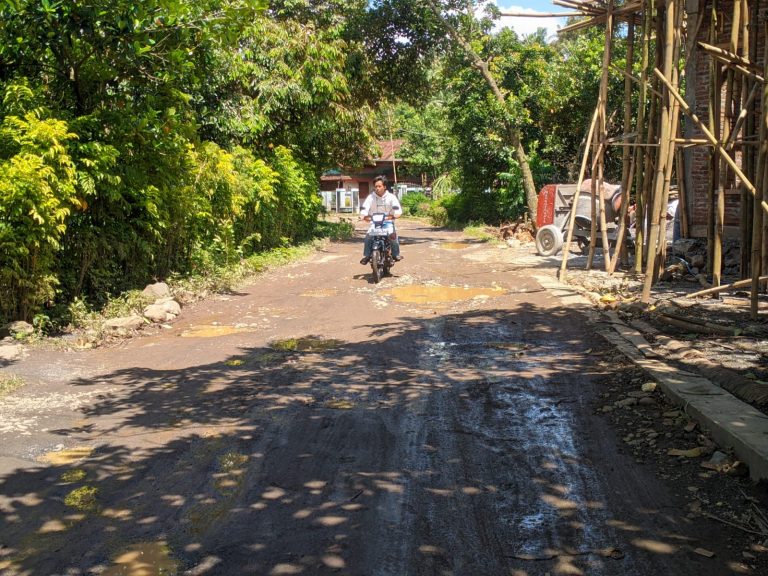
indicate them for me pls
(525, 26)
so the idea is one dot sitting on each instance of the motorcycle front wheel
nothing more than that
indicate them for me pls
(376, 265)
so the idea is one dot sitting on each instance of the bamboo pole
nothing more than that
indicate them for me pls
(674, 121)
(667, 132)
(759, 221)
(764, 120)
(643, 181)
(725, 287)
(725, 134)
(733, 60)
(596, 145)
(747, 154)
(682, 192)
(569, 237)
(742, 117)
(627, 154)
(714, 123)
(598, 198)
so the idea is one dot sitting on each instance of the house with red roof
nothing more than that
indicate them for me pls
(387, 163)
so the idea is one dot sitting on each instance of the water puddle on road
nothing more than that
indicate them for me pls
(212, 331)
(64, 457)
(454, 245)
(144, 559)
(433, 294)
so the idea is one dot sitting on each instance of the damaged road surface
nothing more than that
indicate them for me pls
(441, 422)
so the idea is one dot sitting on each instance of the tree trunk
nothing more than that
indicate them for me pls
(513, 133)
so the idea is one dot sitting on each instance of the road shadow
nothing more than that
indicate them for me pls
(315, 456)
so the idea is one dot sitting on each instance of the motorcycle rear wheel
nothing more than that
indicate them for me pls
(376, 265)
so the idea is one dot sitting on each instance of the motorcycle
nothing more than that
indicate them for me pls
(382, 229)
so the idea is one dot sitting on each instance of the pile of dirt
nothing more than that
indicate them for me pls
(520, 230)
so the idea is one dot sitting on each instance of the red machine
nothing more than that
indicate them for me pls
(554, 211)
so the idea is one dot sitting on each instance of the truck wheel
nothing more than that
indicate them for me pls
(549, 240)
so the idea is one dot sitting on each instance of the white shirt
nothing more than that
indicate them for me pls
(386, 203)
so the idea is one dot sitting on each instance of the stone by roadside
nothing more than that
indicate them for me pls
(163, 308)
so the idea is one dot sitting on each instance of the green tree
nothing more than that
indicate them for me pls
(37, 191)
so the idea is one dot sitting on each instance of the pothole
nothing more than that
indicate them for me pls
(143, 559)
(454, 245)
(212, 331)
(432, 294)
(65, 457)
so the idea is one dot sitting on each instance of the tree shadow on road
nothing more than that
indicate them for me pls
(445, 444)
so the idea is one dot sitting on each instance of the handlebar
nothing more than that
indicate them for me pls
(367, 218)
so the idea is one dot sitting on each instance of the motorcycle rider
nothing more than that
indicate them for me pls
(384, 201)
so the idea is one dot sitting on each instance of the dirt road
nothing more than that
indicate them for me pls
(439, 423)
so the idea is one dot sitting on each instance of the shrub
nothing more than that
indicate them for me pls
(438, 215)
(415, 204)
(37, 192)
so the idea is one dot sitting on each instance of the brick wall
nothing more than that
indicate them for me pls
(697, 72)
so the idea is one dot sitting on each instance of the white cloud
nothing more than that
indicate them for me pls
(525, 26)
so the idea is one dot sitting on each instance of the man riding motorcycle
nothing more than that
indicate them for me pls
(385, 202)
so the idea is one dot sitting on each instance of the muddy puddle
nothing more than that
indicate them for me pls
(65, 457)
(143, 559)
(454, 245)
(439, 294)
(212, 331)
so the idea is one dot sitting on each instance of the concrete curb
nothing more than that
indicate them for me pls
(731, 422)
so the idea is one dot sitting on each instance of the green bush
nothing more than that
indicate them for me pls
(415, 204)
(37, 192)
(438, 215)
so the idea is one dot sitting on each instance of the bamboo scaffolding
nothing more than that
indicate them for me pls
(737, 152)
(715, 143)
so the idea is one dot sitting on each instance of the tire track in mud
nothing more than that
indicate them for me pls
(498, 475)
